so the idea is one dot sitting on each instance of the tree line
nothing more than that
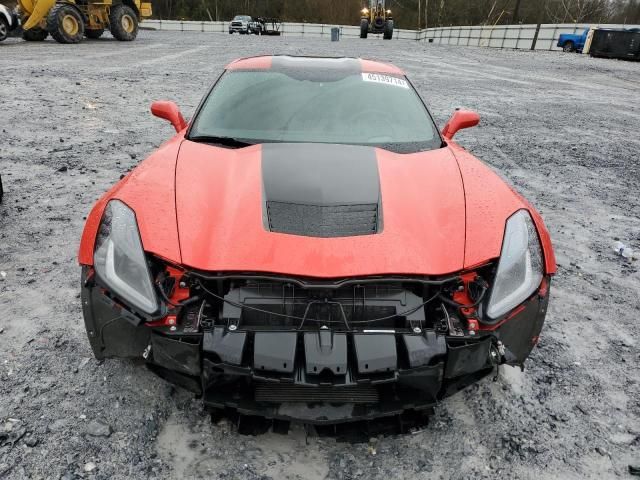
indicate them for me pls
(410, 14)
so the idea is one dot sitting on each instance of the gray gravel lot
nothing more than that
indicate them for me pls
(562, 128)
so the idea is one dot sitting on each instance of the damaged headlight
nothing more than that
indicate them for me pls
(520, 267)
(119, 259)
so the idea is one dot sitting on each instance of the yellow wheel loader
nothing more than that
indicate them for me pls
(376, 18)
(69, 21)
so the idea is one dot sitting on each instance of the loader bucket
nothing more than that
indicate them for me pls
(39, 10)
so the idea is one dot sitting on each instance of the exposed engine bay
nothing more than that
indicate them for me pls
(318, 352)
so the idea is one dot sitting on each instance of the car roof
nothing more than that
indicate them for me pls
(347, 64)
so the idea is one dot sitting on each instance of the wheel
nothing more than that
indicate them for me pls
(65, 24)
(568, 47)
(364, 28)
(230, 32)
(97, 33)
(34, 35)
(123, 23)
(4, 29)
(388, 30)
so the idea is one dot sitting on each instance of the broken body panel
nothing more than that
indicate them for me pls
(327, 368)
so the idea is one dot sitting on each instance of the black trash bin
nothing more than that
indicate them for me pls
(616, 43)
(335, 34)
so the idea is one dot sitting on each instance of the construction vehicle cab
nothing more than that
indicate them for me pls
(69, 21)
(376, 18)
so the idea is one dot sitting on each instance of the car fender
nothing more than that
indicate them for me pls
(155, 213)
(489, 202)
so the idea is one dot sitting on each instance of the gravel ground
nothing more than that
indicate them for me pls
(562, 128)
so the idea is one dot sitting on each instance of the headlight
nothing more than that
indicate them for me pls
(119, 259)
(520, 267)
(388, 12)
(365, 11)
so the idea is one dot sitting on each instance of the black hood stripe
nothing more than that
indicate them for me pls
(321, 190)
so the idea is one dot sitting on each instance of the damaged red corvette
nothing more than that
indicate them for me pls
(311, 248)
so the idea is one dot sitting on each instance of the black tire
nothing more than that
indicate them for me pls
(123, 23)
(388, 30)
(364, 28)
(34, 35)
(4, 29)
(568, 47)
(97, 33)
(65, 23)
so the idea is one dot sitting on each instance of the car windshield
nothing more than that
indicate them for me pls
(241, 17)
(315, 106)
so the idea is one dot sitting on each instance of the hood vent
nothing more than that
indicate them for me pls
(323, 221)
(321, 190)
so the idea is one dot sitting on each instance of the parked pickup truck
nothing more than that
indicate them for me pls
(573, 42)
(244, 24)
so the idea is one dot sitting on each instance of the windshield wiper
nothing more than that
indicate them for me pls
(226, 141)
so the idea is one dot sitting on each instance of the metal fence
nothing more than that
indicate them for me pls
(506, 36)
(287, 29)
(497, 36)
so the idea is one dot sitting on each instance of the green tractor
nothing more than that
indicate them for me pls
(376, 18)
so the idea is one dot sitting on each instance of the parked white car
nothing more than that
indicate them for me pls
(8, 22)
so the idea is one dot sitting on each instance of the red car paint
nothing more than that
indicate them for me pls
(150, 191)
(219, 205)
(219, 216)
(264, 63)
(489, 202)
(200, 206)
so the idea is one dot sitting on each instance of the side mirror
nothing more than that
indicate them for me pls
(459, 120)
(169, 111)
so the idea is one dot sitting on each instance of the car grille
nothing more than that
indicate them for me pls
(323, 221)
(281, 393)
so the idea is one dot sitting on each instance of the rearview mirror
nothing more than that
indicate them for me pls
(169, 111)
(459, 120)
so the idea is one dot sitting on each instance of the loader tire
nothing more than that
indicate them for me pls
(34, 35)
(65, 24)
(123, 23)
(94, 33)
(388, 30)
(364, 28)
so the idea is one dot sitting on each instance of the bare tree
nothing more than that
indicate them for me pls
(577, 11)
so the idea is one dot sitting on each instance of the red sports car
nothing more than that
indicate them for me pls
(311, 247)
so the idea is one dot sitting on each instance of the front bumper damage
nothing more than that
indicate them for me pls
(329, 369)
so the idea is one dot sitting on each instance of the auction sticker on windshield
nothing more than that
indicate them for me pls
(386, 79)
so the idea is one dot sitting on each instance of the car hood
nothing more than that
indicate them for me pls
(297, 209)
(206, 207)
